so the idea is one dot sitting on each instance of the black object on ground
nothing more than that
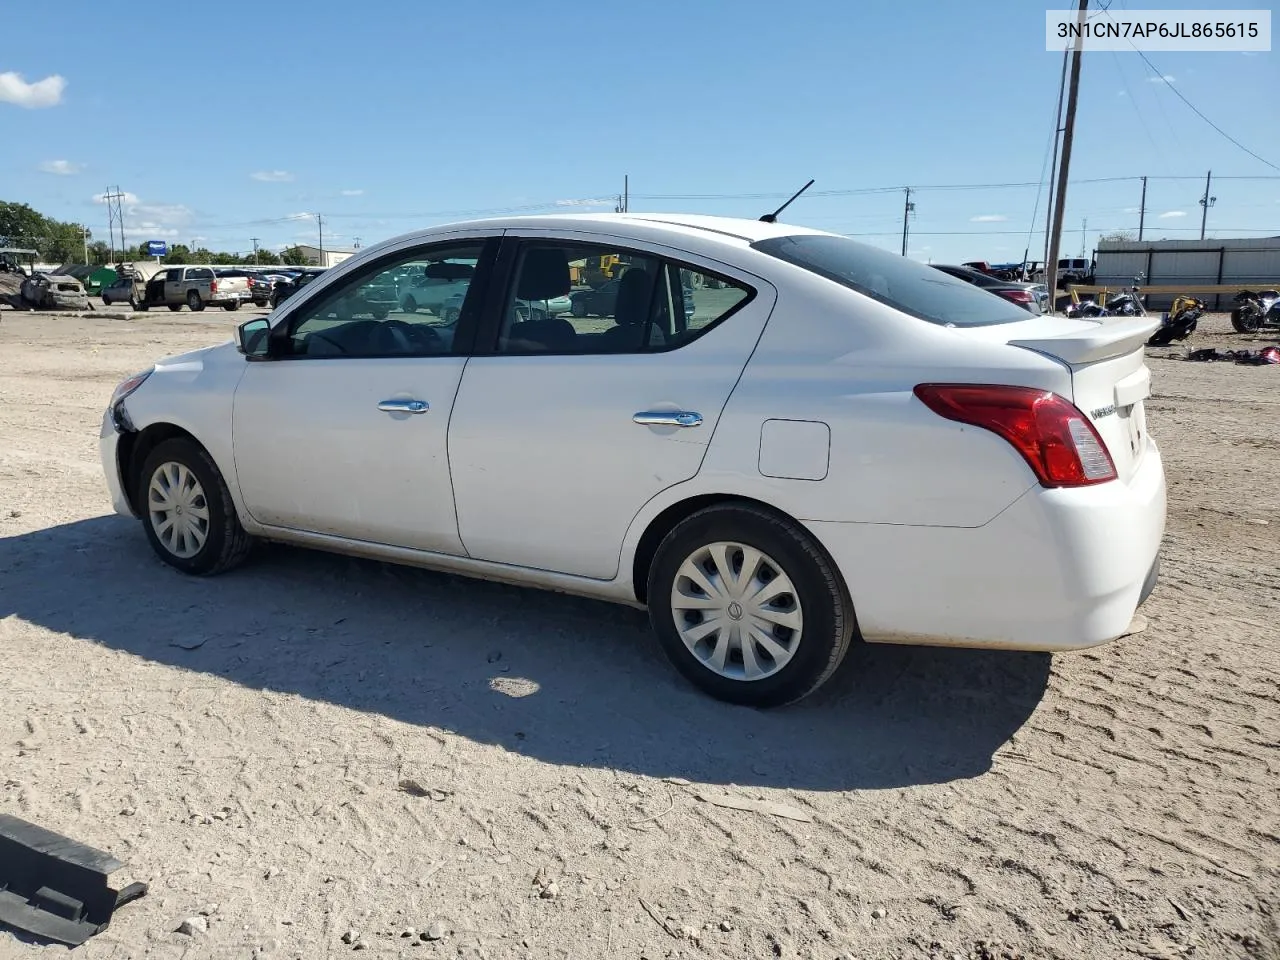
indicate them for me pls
(1252, 358)
(56, 888)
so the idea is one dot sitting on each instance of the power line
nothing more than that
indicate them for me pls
(1194, 109)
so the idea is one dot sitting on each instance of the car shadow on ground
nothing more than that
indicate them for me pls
(555, 678)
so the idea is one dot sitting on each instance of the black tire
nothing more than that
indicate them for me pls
(175, 307)
(829, 623)
(227, 544)
(194, 301)
(260, 303)
(1245, 321)
(142, 306)
(578, 308)
(409, 305)
(450, 315)
(233, 305)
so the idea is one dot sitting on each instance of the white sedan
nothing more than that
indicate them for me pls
(842, 444)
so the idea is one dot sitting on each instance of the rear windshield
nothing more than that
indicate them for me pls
(914, 288)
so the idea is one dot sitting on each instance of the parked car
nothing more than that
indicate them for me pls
(419, 291)
(600, 302)
(122, 290)
(54, 291)
(1030, 296)
(854, 446)
(197, 287)
(291, 283)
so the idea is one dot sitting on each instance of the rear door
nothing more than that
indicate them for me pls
(565, 427)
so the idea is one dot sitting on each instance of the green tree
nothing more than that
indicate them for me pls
(22, 226)
(294, 257)
(99, 252)
(178, 253)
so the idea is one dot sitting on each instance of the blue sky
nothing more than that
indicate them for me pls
(389, 115)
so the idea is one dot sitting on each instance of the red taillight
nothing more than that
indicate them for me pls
(213, 286)
(1017, 296)
(1058, 442)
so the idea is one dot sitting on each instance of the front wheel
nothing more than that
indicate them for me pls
(748, 607)
(194, 301)
(187, 510)
(578, 308)
(233, 305)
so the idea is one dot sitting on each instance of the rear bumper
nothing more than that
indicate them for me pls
(1057, 570)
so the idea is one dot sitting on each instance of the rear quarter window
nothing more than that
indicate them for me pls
(915, 289)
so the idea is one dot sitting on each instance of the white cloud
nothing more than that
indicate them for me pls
(584, 203)
(299, 216)
(153, 231)
(353, 193)
(163, 212)
(989, 218)
(42, 93)
(126, 198)
(1164, 79)
(1169, 214)
(61, 168)
(1130, 210)
(272, 176)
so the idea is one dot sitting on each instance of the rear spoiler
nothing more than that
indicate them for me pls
(1112, 338)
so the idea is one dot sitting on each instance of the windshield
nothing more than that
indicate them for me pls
(914, 288)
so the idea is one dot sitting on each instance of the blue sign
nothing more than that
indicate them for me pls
(157, 248)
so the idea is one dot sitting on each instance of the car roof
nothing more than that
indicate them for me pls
(732, 231)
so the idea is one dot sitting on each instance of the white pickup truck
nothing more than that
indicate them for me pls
(197, 287)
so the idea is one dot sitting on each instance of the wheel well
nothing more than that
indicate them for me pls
(136, 447)
(667, 521)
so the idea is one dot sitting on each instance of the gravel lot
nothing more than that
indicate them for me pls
(245, 743)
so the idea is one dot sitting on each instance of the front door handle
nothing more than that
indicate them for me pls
(668, 418)
(403, 406)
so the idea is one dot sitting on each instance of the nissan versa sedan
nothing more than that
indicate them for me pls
(839, 444)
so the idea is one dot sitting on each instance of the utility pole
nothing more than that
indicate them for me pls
(907, 209)
(357, 242)
(255, 249)
(1142, 208)
(1053, 164)
(626, 193)
(1206, 202)
(115, 214)
(1068, 134)
(1084, 228)
(85, 237)
(320, 224)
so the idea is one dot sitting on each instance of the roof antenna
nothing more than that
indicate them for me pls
(773, 217)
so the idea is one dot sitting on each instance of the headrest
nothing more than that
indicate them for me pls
(543, 275)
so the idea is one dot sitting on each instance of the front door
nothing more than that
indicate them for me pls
(343, 432)
(573, 422)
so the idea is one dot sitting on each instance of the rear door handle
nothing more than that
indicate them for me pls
(668, 418)
(403, 406)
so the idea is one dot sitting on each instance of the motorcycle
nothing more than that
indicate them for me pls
(1255, 310)
(1179, 322)
(1126, 303)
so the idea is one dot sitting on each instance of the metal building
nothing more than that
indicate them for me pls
(1252, 262)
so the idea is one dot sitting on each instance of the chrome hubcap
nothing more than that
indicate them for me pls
(178, 510)
(737, 611)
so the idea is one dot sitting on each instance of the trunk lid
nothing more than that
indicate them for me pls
(1110, 379)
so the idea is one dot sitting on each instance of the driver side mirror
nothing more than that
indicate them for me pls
(253, 338)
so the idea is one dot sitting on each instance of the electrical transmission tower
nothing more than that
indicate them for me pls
(115, 214)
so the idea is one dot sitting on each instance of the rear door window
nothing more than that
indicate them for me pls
(914, 288)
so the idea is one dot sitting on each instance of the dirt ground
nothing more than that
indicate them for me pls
(241, 741)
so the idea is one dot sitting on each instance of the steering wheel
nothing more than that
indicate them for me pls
(397, 336)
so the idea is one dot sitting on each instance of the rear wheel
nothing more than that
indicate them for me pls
(194, 301)
(748, 607)
(233, 305)
(1245, 321)
(409, 305)
(175, 307)
(187, 510)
